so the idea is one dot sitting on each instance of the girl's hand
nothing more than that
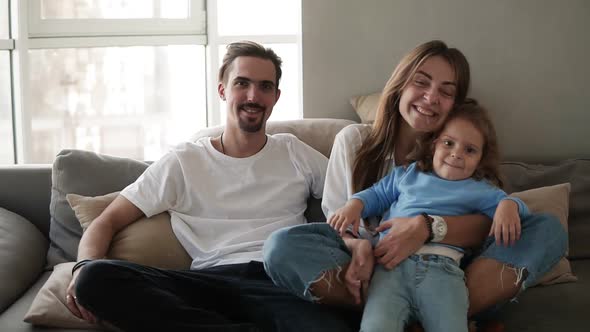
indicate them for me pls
(506, 226)
(349, 214)
(360, 269)
(405, 237)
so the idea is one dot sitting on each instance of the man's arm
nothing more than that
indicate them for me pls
(96, 240)
(95, 243)
(467, 231)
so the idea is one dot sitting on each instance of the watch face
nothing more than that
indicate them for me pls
(440, 228)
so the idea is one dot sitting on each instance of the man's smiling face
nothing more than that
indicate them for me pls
(250, 91)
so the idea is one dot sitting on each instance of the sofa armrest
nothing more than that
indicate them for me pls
(22, 256)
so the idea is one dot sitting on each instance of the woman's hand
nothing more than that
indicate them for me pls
(506, 225)
(349, 214)
(72, 303)
(405, 237)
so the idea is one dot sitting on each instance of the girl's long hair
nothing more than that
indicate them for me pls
(489, 165)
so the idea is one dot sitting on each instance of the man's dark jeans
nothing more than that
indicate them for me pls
(239, 297)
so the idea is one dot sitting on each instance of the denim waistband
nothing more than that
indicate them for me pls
(432, 258)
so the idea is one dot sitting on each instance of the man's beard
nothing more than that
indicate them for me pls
(251, 127)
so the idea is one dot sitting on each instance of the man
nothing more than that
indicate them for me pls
(225, 196)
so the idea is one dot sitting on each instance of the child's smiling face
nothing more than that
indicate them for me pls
(457, 150)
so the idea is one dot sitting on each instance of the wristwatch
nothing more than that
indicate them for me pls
(439, 228)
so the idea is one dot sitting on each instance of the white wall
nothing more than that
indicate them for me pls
(529, 61)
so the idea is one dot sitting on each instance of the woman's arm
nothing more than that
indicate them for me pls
(407, 235)
(467, 231)
(338, 185)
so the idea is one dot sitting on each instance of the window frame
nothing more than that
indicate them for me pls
(194, 24)
(8, 44)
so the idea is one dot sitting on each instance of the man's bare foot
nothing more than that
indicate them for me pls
(359, 271)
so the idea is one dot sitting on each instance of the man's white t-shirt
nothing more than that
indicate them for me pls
(222, 208)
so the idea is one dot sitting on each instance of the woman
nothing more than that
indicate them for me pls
(422, 90)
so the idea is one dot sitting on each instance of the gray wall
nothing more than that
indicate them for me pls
(529, 60)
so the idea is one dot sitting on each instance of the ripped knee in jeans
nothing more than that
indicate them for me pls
(520, 273)
(325, 280)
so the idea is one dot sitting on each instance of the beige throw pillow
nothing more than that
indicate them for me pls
(148, 241)
(554, 200)
(49, 306)
(366, 106)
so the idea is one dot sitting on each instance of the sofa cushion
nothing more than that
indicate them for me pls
(522, 176)
(365, 106)
(553, 200)
(317, 133)
(85, 173)
(22, 256)
(148, 241)
(49, 306)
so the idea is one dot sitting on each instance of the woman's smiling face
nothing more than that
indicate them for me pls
(429, 95)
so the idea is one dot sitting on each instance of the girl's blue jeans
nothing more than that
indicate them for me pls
(427, 288)
(297, 256)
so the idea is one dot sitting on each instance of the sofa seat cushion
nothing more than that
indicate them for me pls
(22, 256)
(562, 307)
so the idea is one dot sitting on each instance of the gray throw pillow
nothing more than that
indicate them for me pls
(522, 176)
(88, 174)
(22, 256)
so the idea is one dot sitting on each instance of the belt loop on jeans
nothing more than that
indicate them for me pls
(429, 257)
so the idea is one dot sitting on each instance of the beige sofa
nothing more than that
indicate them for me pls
(38, 228)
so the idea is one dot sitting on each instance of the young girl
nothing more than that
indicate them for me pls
(455, 172)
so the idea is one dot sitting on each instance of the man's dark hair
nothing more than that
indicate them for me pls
(249, 48)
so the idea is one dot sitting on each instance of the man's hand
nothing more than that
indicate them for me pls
(349, 214)
(359, 272)
(72, 303)
(506, 226)
(405, 237)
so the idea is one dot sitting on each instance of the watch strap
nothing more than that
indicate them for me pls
(428, 220)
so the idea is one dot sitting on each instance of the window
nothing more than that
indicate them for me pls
(128, 77)
(6, 135)
(127, 101)
(4, 20)
(273, 23)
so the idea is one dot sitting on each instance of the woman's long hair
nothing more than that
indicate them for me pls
(371, 160)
